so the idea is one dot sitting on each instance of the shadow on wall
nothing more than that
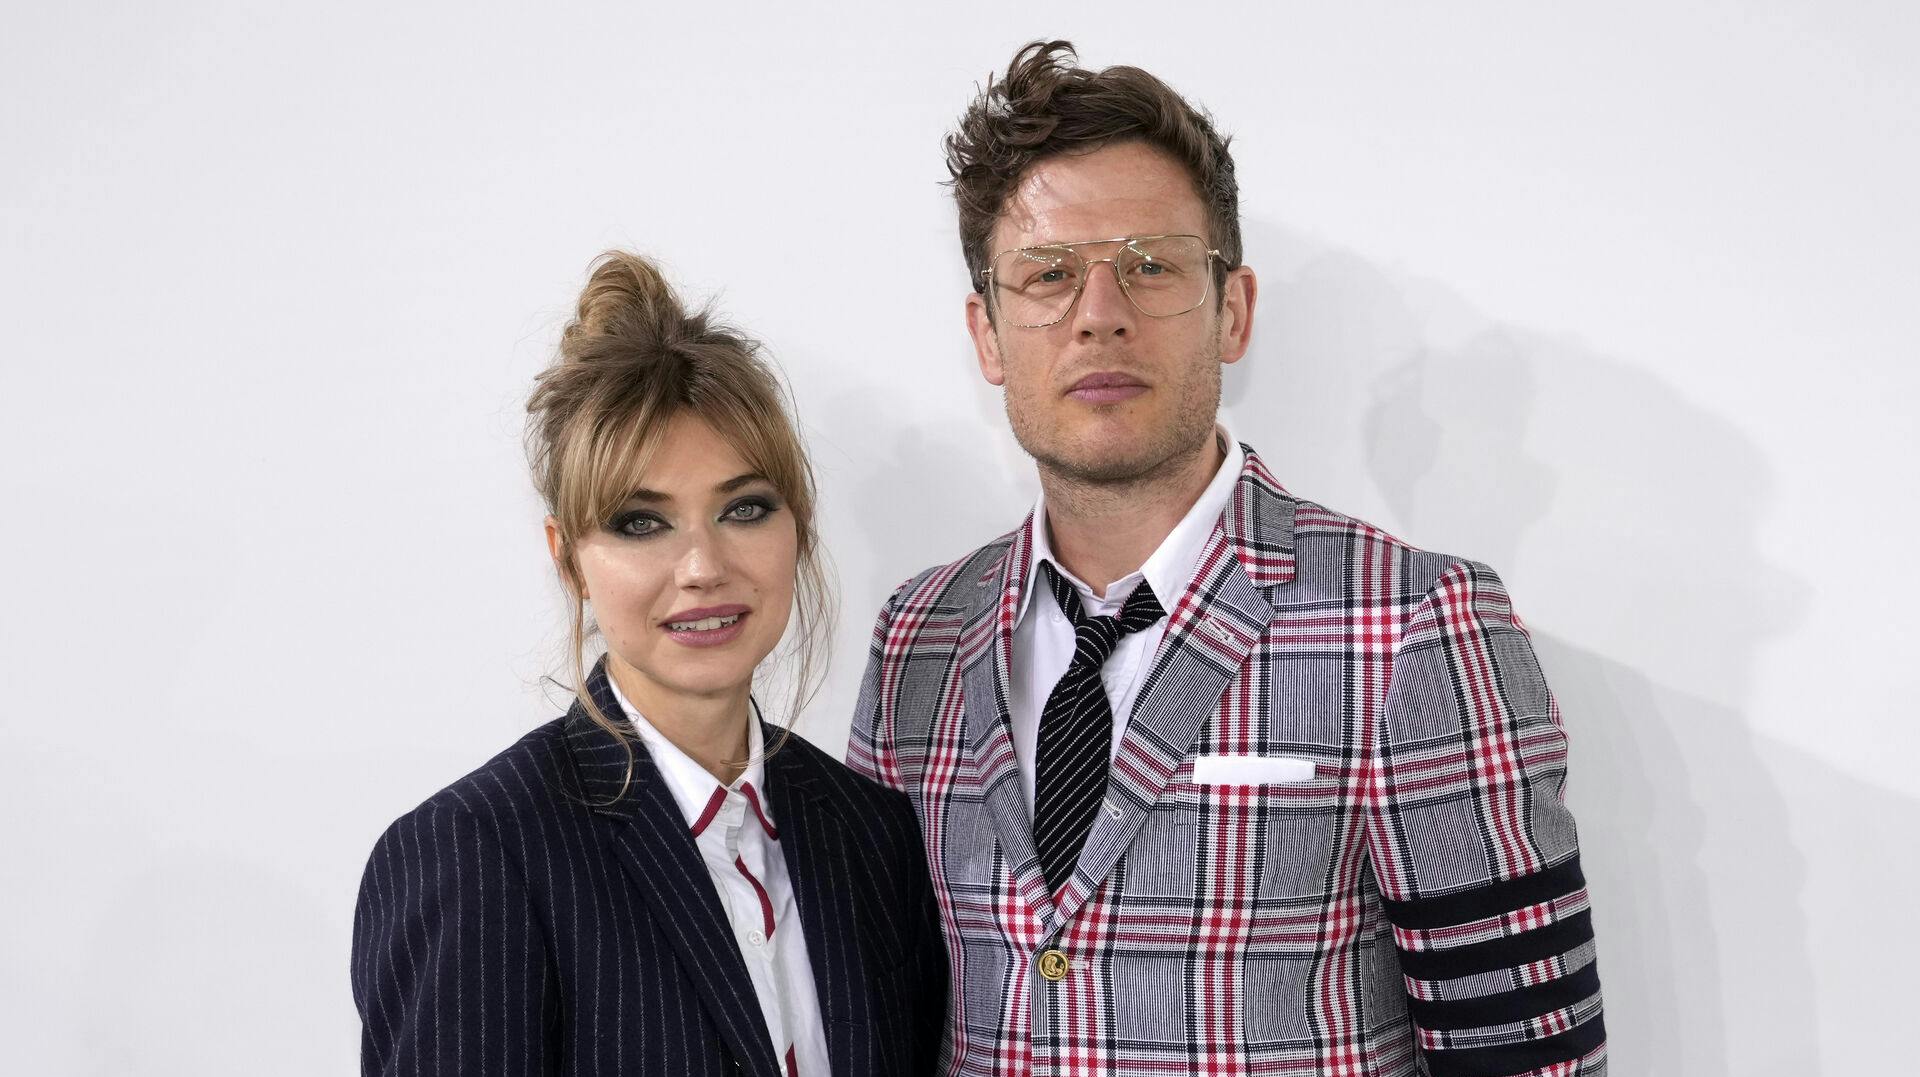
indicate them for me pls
(908, 482)
(916, 492)
(1476, 436)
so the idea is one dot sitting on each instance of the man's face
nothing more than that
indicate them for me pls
(1108, 394)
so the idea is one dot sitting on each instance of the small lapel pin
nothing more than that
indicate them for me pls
(1218, 629)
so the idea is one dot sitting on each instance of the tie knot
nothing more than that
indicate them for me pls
(1094, 638)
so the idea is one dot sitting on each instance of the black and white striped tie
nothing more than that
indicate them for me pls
(1076, 729)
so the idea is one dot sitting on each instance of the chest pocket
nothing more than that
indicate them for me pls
(1223, 843)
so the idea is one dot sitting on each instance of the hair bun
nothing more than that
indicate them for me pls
(627, 302)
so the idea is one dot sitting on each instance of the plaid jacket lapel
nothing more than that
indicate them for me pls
(1220, 617)
(986, 654)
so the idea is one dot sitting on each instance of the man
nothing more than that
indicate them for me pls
(1213, 780)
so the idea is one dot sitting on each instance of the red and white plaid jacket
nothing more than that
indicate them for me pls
(1416, 906)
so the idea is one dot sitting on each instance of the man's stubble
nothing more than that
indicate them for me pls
(1163, 454)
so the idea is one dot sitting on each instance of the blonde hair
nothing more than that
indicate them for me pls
(633, 359)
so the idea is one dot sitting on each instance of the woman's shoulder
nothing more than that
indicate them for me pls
(533, 778)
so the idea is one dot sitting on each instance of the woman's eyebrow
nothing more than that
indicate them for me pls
(738, 481)
(727, 487)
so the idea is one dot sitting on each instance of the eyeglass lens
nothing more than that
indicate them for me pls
(1162, 275)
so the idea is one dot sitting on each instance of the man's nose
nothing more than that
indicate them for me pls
(1104, 309)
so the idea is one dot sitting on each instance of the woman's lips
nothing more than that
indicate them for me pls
(1106, 388)
(708, 628)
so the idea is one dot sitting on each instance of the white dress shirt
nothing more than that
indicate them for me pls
(1043, 639)
(738, 839)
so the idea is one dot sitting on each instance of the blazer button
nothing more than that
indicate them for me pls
(1054, 965)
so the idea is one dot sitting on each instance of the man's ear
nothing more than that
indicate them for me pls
(563, 559)
(1236, 313)
(986, 343)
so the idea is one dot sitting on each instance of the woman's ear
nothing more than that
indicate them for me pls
(563, 559)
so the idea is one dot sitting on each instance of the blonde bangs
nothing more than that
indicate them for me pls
(631, 362)
(599, 469)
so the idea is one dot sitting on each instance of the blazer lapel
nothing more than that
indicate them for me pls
(656, 850)
(820, 865)
(1213, 627)
(986, 654)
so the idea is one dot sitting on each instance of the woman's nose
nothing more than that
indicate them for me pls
(703, 563)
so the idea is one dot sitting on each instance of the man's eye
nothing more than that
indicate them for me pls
(1150, 269)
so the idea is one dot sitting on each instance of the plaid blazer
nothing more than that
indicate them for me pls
(1416, 906)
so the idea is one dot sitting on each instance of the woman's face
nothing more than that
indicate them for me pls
(692, 579)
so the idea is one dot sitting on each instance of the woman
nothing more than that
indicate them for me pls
(658, 882)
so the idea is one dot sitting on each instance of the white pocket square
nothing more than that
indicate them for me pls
(1250, 769)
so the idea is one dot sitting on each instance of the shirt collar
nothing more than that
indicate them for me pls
(1171, 565)
(692, 786)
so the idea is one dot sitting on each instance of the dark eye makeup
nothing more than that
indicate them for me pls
(750, 509)
(636, 523)
(645, 523)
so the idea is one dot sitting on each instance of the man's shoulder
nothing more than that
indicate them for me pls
(1328, 543)
(1272, 519)
(1319, 526)
(951, 586)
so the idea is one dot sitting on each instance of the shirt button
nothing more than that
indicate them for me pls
(757, 937)
(1054, 965)
(1113, 810)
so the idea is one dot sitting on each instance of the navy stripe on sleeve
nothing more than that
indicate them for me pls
(1521, 1004)
(1486, 902)
(1503, 953)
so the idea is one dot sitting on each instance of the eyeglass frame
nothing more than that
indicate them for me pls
(986, 275)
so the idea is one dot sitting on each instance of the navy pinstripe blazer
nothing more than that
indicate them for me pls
(517, 923)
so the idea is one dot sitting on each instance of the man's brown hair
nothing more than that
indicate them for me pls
(1046, 104)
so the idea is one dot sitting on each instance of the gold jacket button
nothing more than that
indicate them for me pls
(1054, 965)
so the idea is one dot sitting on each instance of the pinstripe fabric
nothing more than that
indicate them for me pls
(1414, 907)
(519, 923)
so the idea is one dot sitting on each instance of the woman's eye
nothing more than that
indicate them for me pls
(639, 524)
(747, 511)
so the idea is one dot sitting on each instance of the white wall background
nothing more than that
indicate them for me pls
(1622, 300)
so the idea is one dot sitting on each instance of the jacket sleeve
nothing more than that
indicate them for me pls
(449, 965)
(870, 745)
(1473, 846)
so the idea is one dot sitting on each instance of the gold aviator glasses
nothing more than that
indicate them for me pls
(1162, 276)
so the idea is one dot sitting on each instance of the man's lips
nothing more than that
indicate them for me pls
(1106, 387)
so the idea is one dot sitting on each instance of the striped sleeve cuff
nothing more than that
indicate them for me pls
(1501, 979)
